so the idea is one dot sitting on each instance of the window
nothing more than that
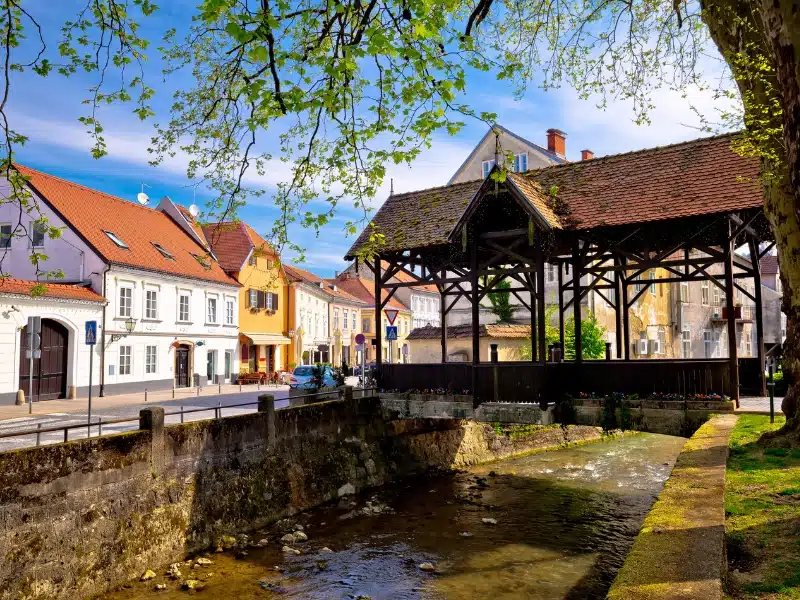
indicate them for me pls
(716, 295)
(661, 347)
(643, 343)
(704, 294)
(684, 291)
(37, 236)
(748, 344)
(125, 301)
(112, 236)
(551, 272)
(521, 162)
(212, 310)
(268, 301)
(336, 318)
(5, 236)
(151, 304)
(353, 319)
(183, 307)
(487, 167)
(252, 260)
(708, 343)
(164, 252)
(252, 298)
(202, 260)
(150, 359)
(229, 312)
(652, 276)
(686, 343)
(365, 325)
(124, 360)
(344, 316)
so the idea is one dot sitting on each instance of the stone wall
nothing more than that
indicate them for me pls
(81, 517)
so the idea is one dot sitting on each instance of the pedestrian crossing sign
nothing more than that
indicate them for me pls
(91, 333)
(391, 332)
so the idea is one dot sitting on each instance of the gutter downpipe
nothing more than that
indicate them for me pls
(103, 351)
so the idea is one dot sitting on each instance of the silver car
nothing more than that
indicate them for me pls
(301, 378)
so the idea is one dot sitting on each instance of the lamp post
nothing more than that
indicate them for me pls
(130, 325)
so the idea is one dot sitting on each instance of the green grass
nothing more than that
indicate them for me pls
(762, 505)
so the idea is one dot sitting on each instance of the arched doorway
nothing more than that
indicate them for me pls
(50, 370)
(182, 377)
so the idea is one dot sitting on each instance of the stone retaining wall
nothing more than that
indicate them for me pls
(81, 517)
(679, 553)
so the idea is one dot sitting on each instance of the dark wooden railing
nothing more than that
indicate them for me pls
(530, 382)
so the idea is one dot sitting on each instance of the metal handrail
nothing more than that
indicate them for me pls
(217, 410)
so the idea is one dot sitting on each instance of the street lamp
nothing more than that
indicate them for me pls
(130, 325)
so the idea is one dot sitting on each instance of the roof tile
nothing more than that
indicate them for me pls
(52, 290)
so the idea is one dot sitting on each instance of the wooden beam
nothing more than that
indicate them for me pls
(733, 363)
(540, 297)
(560, 311)
(623, 306)
(576, 305)
(476, 327)
(443, 319)
(378, 344)
(762, 378)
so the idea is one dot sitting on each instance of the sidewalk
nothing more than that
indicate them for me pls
(758, 404)
(80, 404)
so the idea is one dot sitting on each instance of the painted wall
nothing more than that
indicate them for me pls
(430, 351)
(265, 275)
(70, 313)
(311, 307)
(345, 323)
(473, 169)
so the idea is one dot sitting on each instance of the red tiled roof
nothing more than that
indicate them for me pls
(406, 278)
(91, 213)
(693, 178)
(505, 331)
(298, 274)
(769, 264)
(52, 290)
(230, 244)
(360, 288)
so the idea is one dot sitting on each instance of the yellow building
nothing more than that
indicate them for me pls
(650, 317)
(263, 312)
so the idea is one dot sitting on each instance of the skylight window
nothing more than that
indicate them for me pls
(202, 260)
(112, 236)
(164, 252)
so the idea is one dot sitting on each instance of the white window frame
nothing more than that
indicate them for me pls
(38, 231)
(148, 314)
(684, 291)
(125, 359)
(209, 315)
(715, 295)
(252, 296)
(5, 238)
(652, 276)
(686, 343)
(353, 319)
(709, 347)
(150, 359)
(643, 349)
(521, 162)
(129, 313)
(704, 293)
(661, 341)
(486, 167)
(230, 311)
(345, 315)
(336, 318)
(183, 294)
(268, 300)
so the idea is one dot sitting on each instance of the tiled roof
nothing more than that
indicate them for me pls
(703, 176)
(363, 290)
(769, 265)
(533, 192)
(504, 331)
(231, 243)
(297, 274)
(406, 278)
(91, 213)
(52, 290)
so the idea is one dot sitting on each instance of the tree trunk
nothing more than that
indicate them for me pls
(767, 33)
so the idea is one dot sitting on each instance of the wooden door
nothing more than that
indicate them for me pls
(181, 366)
(50, 370)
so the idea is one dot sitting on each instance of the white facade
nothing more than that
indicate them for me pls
(72, 314)
(425, 308)
(312, 313)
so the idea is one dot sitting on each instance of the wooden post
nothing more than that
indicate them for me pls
(621, 309)
(540, 297)
(560, 268)
(576, 300)
(626, 327)
(534, 336)
(443, 317)
(378, 322)
(476, 326)
(762, 378)
(733, 360)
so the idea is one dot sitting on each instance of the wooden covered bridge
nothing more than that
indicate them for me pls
(679, 208)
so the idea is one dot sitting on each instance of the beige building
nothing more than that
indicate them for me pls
(426, 347)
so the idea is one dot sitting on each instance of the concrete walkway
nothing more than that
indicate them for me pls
(759, 404)
(679, 553)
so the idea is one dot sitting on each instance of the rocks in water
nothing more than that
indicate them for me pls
(489, 521)
(289, 550)
(322, 565)
(226, 542)
(348, 489)
(193, 584)
(492, 474)
(325, 549)
(160, 587)
(203, 561)
(428, 567)
(262, 542)
(272, 587)
(297, 536)
(174, 571)
(375, 508)
(241, 554)
(147, 575)
(465, 534)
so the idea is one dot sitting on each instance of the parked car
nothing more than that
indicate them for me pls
(302, 378)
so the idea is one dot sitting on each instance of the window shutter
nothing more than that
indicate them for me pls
(274, 301)
(262, 299)
(247, 301)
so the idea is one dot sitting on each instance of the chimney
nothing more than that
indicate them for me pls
(334, 287)
(587, 155)
(557, 142)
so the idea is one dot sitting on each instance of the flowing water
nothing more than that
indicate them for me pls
(564, 522)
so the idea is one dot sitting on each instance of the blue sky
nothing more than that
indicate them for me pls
(47, 110)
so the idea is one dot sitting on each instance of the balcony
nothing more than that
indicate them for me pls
(741, 313)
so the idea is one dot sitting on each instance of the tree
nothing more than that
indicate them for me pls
(352, 85)
(501, 305)
(593, 343)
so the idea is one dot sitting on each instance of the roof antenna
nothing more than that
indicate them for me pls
(141, 197)
(391, 187)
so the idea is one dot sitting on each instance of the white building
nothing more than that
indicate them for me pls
(312, 308)
(62, 370)
(153, 268)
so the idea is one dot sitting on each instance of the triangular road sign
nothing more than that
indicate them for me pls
(391, 314)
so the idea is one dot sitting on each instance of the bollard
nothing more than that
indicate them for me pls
(181, 413)
(99, 427)
(198, 391)
(219, 409)
(258, 383)
(220, 387)
(66, 434)
(173, 393)
(240, 388)
(771, 386)
(38, 435)
(145, 394)
(493, 353)
(608, 350)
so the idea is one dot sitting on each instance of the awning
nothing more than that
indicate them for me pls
(267, 339)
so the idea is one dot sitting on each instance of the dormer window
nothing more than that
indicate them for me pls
(521, 162)
(487, 166)
(113, 237)
(164, 252)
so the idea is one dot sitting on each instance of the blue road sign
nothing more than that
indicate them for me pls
(91, 333)
(391, 332)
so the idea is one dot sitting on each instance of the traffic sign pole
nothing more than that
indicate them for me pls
(34, 340)
(30, 372)
(91, 340)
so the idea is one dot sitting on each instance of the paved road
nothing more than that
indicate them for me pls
(60, 419)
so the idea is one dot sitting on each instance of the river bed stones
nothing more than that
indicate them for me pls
(147, 575)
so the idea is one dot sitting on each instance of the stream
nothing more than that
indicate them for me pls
(555, 525)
